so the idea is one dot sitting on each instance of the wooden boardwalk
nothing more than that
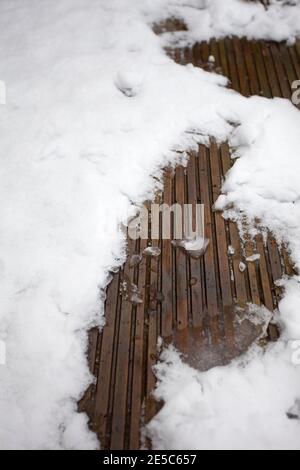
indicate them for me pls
(194, 303)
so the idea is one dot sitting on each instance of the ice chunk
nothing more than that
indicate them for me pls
(194, 247)
(253, 258)
(154, 251)
(231, 250)
(242, 267)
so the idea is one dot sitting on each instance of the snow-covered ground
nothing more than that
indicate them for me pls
(93, 109)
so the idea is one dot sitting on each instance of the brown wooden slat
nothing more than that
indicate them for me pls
(264, 273)
(121, 381)
(210, 274)
(137, 396)
(223, 58)
(240, 279)
(250, 66)
(288, 66)
(152, 337)
(261, 70)
(280, 72)
(194, 264)
(182, 313)
(254, 287)
(271, 73)
(222, 252)
(231, 60)
(241, 67)
(167, 304)
(106, 366)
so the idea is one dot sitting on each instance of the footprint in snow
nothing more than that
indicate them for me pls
(129, 83)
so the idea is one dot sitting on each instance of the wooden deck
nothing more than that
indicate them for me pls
(192, 303)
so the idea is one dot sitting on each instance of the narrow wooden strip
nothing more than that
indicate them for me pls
(241, 67)
(181, 267)
(195, 267)
(288, 65)
(276, 268)
(281, 75)
(222, 253)
(254, 287)
(138, 364)
(239, 277)
(167, 302)
(232, 64)
(214, 51)
(209, 262)
(250, 66)
(204, 47)
(105, 372)
(261, 71)
(152, 337)
(223, 58)
(271, 73)
(296, 61)
(265, 278)
(121, 382)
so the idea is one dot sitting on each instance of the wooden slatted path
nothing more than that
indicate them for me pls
(194, 303)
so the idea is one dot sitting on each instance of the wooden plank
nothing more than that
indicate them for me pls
(222, 252)
(121, 381)
(261, 71)
(214, 51)
(204, 52)
(282, 78)
(209, 262)
(295, 60)
(239, 277)
(182, 313)
(196, 52)
(254, 287)
(104, 379)
(250, 67)
(271, 73)
(167, 303)
(264, 273)
(233, 75)
(195, 264)
(241, 67)
(223, 58)
(138, 374)
(152, 337)
(276, 268)
(288, 66)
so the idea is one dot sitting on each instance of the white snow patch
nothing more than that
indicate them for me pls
(238, 407)
(253, 258)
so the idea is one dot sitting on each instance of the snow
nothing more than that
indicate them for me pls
(94, 108)
(206, 19)
(253, 258)
(195, 247)
(242, 406)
